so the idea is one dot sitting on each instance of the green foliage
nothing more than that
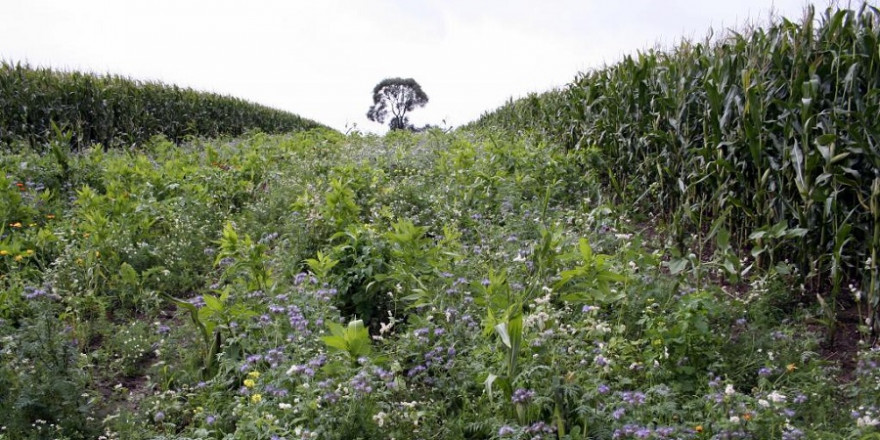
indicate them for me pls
(45, 391)
(115, 111)
(352, 340)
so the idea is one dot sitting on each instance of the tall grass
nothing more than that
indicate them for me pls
(114, 110)
(771, 134)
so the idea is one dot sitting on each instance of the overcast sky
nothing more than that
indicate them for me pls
(321, 58)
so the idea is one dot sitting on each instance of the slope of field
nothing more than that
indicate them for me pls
(413, 286)
(114, 110)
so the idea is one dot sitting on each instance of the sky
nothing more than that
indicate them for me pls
(322, 58)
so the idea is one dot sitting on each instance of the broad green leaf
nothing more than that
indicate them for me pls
(677, 265)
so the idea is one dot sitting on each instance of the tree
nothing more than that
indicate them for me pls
(399, 95)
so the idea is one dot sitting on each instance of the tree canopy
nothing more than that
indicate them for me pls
(399, 96)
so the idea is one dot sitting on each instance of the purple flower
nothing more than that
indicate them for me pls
(765, 371)
(634, 398)
(603, 389)
(361, 384)
(300, 277)
(33, 293)
(416, 370)
(618, 413)
(505, 430)
(522, 395)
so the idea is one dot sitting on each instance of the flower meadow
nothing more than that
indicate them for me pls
(466, 285)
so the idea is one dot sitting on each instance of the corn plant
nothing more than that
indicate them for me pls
(117, 111)
(773, 129)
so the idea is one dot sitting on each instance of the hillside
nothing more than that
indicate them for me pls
(118, 111)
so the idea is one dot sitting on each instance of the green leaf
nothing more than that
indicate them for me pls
(723, 238)
(128, 274)
(677, 265)
(212, 303)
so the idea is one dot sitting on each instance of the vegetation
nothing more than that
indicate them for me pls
(400, 96)
(117, 111)
(505, 281)
(767, 137)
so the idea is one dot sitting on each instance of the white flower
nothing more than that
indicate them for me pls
(776, 397)
(729, 390)
(379, 418)
(734, 419)
(763, 403)
(283, 405)
(867, 421)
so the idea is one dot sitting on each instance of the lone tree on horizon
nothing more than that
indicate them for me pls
(400, 95)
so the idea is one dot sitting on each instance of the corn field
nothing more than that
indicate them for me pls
(767, 136)
(114, 111)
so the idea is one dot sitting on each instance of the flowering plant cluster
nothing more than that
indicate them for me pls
(412, 286)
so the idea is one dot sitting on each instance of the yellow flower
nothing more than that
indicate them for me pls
(15, 225)
(18, 257)
(249, 383)
(699, 428)
(254, 374)
(256, 398)
(790, 368)
(4, 252)
(29, 252)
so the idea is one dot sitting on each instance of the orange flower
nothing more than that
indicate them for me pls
(747, 417)
(790, 368)
(699, 428)
(50, 216)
